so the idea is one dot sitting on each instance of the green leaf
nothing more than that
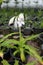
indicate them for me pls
(9, 43)
(22, 41)
(4, 38)
(5, 62)
(1, 53)
(15, 52)
(16, 62)
(22, 56)
(1, 1)
(41, 24)
(28, 52)
(33, 51)
(31, 63)
(32, 37)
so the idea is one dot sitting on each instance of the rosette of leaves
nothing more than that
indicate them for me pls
(4, 62)
(22, 46)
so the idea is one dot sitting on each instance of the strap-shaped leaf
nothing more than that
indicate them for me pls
(9, 43)
(22, 41)
(34, 52)
(32, 37)
(7, 36)
(31, 63)
(16, 62)
(22, 55)
(15, 52)
(5, 62)
(28, 52)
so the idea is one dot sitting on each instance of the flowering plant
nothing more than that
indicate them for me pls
(22, 46)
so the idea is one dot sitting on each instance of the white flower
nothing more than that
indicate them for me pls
(19, 21)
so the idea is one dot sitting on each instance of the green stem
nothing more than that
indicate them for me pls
(20, 32)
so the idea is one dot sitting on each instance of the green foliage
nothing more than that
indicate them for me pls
(33, 53)
(1, 1)
(31, 63)
(7, 36)
(41, 25)
(16, 62)
(22, 46)
(5, 62)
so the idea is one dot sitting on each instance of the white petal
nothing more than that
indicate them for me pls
(19, 19)
(23, 23)
(15, 23)
(11, 20)
(21, 16)
(19, 24)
